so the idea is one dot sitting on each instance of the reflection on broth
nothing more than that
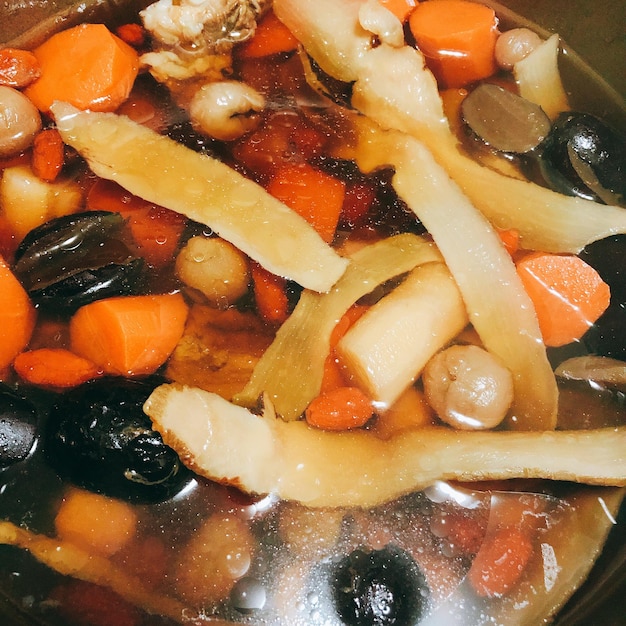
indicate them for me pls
(270, 211)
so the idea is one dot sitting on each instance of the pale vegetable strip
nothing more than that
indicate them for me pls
(387, 348)
(291, 369)
(230, 444)
(70, 560)
(498, 307)
(394, 89)
(204, 189)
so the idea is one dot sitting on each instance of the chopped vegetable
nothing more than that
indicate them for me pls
(598, 369)
(386, 350)
(270, 37)
(270, 294)
(500, 562)
(316, 196)
(458, 39)
(48, 154)
(87, 66)
(54, 367)
(18, 68)
(291, 370)
(27, 201)
(17, 316)
(400, 8)
(129, 335)
(382, 23)
(95, 522)
(539, 79)
(205, 190)
(567, 293)
(339, 409)
(263, 454)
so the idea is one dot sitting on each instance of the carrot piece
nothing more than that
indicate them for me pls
(87, 66)
(18, 68)
(343, 408)
(510, 238)
(400, 8)
(458, 39)
(129, 335)
(17, 316)
(48, 154)
(95, 522)
(270, 37)
(270, 294)
(500, 562)
(567, 293)
(54, 367)
(316, 196)
(155, 230)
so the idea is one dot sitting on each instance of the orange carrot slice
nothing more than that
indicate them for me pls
(87, 66)
(400, 8)
(568, 294)
(458, 39)
(316, 196)
(270, 294)
(54, 367)
(129, 335)
(17, 316)
(271, 37)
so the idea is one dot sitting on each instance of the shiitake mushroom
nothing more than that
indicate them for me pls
(18, 426)
(98, 437)
(76, 259)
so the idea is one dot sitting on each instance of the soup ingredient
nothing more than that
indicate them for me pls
(315, 195)
(205, 190)
(129, 335)
(18, 426)
(17, 316)
(27, 201)
(458, 39)
(500, 562)
(18, 67)
(87, 66)
(95, 522)
(262, 454)
(19, 121)
(584, 156)
(387, 348)
(98, 438)
(515, 44)
(503, 120)
(382, 23)
(48, 154)
(290, 371)
(54, 367)
(599, 369)
(226, 109)
(468, 387)
(218, 554)
(342, 408)
(215, 268)
(74, 260)
(568, 295)
(378, 588)
(270, 295)
(271, 36)
(539, 80)
(400, 8)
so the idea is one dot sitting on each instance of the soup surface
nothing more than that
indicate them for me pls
(270, 364)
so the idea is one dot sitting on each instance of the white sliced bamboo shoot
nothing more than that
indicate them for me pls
(294, 461)
(387, 348)
(204, 189)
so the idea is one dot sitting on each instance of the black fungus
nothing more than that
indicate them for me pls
(379, 588)
(76, 259)
(585, 157)
(18, 426)
(99, 438)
